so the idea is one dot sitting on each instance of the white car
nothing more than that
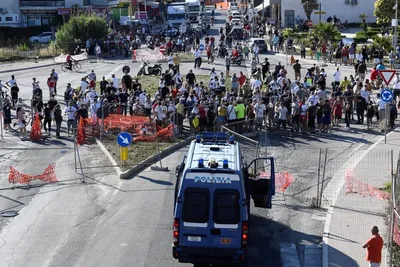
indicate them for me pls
(235, 22)
(44, 37)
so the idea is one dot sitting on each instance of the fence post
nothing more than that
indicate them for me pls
(323, 177)
(75, 148)
(392, 215)
(319, 175)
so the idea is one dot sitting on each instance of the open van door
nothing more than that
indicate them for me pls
(261, 181)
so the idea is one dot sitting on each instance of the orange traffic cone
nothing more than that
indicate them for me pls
(36, 131)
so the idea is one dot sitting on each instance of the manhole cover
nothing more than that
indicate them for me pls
(9, 213)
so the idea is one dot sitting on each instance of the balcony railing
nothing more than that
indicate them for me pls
(42, 3)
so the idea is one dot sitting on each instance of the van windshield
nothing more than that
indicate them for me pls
(226, 206)
(196, 205)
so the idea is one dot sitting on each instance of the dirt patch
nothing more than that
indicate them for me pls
(138, 151)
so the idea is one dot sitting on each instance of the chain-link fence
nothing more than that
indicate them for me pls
(394, 216)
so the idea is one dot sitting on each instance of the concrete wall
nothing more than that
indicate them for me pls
(332, 7)
(12, 8)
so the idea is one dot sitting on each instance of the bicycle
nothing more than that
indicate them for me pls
(76, 66)
(14, 122)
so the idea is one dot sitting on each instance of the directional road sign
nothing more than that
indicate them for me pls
(124, 139)
(387, 76)
(201, 47)
(387, 95)
(319, 12)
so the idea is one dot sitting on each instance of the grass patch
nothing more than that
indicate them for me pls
(138, 151)
(150, 83)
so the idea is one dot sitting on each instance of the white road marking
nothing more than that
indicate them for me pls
(332, 191)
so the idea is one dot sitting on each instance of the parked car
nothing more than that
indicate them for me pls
(262, 46)
(235, 22)
(44, 37)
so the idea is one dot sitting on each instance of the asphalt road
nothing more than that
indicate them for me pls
(111, 223)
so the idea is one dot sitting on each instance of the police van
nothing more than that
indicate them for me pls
(212, 200)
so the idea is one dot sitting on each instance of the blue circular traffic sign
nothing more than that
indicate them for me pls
(124, 139)
(201, 47)
(387, 95)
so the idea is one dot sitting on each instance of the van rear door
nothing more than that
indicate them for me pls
(226, 215)
(196, 214)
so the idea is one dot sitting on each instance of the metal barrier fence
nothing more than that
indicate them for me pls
(394, 216)
(250, 148)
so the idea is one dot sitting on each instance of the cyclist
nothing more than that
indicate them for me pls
(69, 60)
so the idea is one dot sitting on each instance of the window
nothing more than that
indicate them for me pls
(347, 2)
(354, 2)
(196, 205)
(1, 19)
(45, 21)
(9, 19)
(226, 207)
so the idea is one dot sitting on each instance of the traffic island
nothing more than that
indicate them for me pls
(140, 154)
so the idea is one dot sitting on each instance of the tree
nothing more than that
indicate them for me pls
(325, 31)
(384, 11)
(80, 28)
(384, 42)
(363, 18)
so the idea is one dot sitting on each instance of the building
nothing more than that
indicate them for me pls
(286, 11)
(26, 13)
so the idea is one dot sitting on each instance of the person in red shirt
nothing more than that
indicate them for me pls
(69, 60)
(169, 47)
(92, 84)
(212, 42)
(241, 80)
(235, 53)
(51, 83)
(374, 247)
(374, 75)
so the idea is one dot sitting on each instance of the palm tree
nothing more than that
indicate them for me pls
(325, 32)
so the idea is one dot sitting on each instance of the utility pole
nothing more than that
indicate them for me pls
(396, 25)
(320, 12)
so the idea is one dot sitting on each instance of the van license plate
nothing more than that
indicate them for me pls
(194, 238)
(225, 241)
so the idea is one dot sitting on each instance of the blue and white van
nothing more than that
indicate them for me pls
(212, 200)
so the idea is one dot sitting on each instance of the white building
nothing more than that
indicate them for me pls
(25, 13)
(286, 11)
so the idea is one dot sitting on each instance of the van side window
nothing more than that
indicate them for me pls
(226, 206)
(196, 205)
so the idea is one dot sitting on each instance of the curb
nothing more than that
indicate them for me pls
(109, 156)
(30, 68)
(153, 159)
(145, 163)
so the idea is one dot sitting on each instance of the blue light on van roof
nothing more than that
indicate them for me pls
(225, 163)
(198, 138)
(201, 163)
(231, 139)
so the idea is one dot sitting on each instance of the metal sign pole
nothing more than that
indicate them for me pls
(386, 122)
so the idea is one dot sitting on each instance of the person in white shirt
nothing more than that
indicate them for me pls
(396, 84)
(256, 50)
(93, 109)
(171, 112)
(84, 85)
(114, 82)
(70, 112)
(282, 115)
(92, 95)
(98, 51)
(381, 108)
(365, 94)
(178, 78)
(296, 88)
(231, 113)
(92, 76)
(142, 97)
(213, 74)
(256, 84)
(337, 77)
(197, 59)
(259, 111)
(359, 56)
(313, 99)
(212, 84)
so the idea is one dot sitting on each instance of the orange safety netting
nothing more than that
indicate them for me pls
(223, 5)
(123, 123)
(49, 175)
(36, 130)
(283, 180)
(396, 234)
(356, 186)
(162, 134)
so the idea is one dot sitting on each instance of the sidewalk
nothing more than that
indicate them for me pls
(351, 215)
(25, 65)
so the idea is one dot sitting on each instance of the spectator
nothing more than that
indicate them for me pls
(374, 247)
